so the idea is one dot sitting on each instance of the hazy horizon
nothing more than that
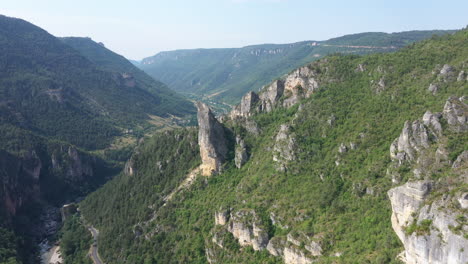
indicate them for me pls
(141, 30)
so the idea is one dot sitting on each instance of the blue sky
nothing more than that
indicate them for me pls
(141, 28)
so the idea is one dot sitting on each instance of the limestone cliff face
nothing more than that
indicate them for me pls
(284, 148)
(30, 176)
(19, 180)
(429, 216)
(247, 228)
(212, 141)
(241, 155)
(299, 84)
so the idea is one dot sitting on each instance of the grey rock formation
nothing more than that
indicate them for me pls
(433, 88)
(270, 95)
(413, 139)
(129, 168)
(433, 122)
(246, 227)
(455, 112)
(221, 217)
(284, 148)
(461, 76)
(310, 245)
(446, 70)
(241, 155)
(247, 106)
(276, 246)
(360, 68)
(440, 244)
(431, 227)
(77, 169)
(342, 148)
(380, 86)
(299, 84)
(212, 141)
(461, 160)
(293, 255)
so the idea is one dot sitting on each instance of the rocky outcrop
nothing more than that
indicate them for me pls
(241, 155)
(270, 95)
(129, 168)
(221, 217)
(427, 215)
(427, 230)
(461, 76)
(246, 227)
(447, 73)
(284, 148)
(433, 88)
(212, 141)
(455, 112)
(299, 84)
(247, 106)
(67, 210)
(413, 139)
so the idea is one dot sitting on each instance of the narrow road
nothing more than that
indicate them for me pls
(94, 255)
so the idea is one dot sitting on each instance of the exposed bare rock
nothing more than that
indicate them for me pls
(221, 217)
(446, 73)
(77, 169)
(212, 141)
(247, 106)
(295, 256)
(433, 88)
(276, 246)
(246, 227)
(455, 112)
(331, 120)
(461, 76)
(284, 149)
(360, 68)
(241, 155)
(270, 95)
(413, 139)
(342, 148)
(310, 245)
(433, 121)
(438, 243)
(405, 201)
(299, 84)
(463, 200)
(432, 228)
(461, 160)
(380, 85)
(129, 168)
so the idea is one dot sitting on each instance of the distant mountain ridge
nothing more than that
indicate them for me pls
(64, 88)
(228, 73)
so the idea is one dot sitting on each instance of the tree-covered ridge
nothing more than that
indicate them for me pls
(227, 74)
(107, 60)
(49, 88)
(60, 110)
(335, 190)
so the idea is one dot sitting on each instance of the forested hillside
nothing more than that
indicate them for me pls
(316, 170)
(225, 75)
(63, 105)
